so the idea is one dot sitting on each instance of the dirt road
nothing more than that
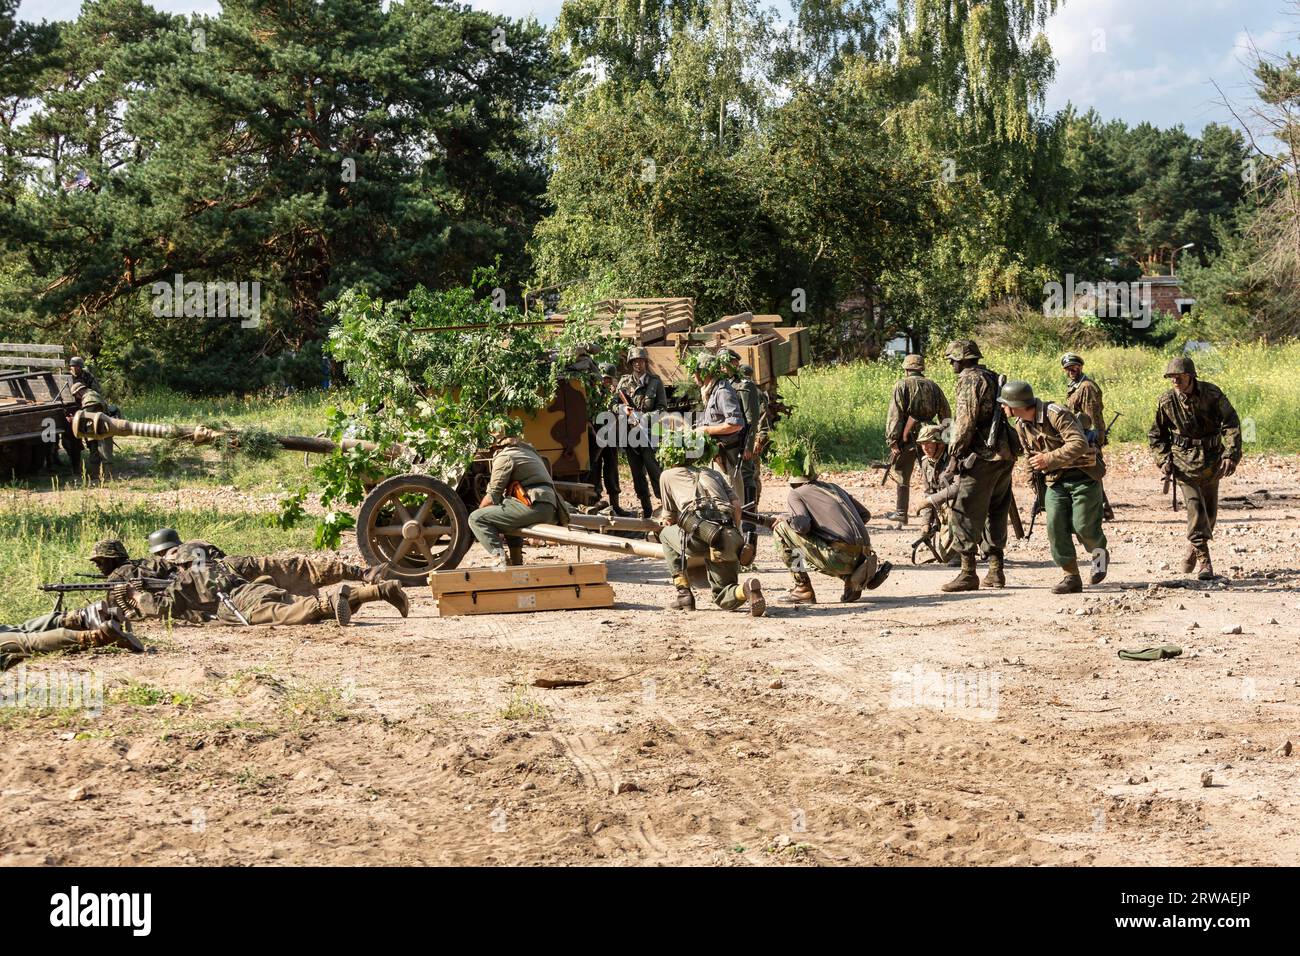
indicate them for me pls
(994, 727)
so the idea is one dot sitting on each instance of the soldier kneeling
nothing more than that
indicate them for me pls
(825, 530)
(701, 517)
(1057, 447)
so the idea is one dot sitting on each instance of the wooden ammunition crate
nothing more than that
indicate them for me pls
(522, 589)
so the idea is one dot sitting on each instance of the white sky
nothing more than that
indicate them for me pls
(1134, 60)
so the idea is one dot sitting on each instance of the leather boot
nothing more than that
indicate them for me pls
(340, 605)
(390, 591)
(111, 634)
(802, 592)
(615, 510)
(684, 600)
(1190, 558)
(1107, 512)
(901, 495)
(646, 510)
(1100, 567)
(753, 592)
(515, 552)
(1071, 583)
(995, 578)
(1204, 569)
(967, 580)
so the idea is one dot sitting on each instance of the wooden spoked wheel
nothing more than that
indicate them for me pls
(416, 524)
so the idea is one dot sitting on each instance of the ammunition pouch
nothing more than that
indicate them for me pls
(1209, 443)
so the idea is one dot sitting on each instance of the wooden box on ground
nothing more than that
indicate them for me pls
(515, 590)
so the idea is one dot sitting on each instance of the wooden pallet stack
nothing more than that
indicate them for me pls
(521, 589)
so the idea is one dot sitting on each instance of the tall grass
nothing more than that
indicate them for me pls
(39, 544)
(843, 408)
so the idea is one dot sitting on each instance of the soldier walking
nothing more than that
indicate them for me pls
(825, 530)
(1083, 397)
(701, 518)
(916, 401)
(641, 396)
(982, 463)
(1196, 440)
(1060, 451)
(520, 493)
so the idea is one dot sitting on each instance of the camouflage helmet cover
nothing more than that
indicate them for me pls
(164, 539)
(930, 433)
(914, 363)
(960, 350)
(1180, 365)
(637, 352)
(1017, 395)
(109, 548)
(608, 369)
(1070, 358)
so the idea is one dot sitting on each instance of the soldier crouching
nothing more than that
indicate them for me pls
(1058, 448)
(825, 530)
(701, 518)
(520, 493)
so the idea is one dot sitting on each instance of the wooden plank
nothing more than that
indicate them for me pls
(527, 601)
(20, 361)
(16, 347)
(504, 579)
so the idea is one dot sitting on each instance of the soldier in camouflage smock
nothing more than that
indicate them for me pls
(1196, 439)
(983, 471)
(922, 400)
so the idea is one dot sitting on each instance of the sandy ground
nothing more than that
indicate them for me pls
(995, 727)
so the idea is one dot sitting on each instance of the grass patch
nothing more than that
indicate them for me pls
(522, 706)
(843, 408)
(44, 542)
(315, 704)
(146, 695)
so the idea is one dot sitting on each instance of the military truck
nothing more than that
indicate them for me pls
(35, 402)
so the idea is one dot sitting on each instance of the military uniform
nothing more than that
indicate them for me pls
(940, 488)
(753, 404)
(919, 398)
(297, 574)
(522, 494)
(61, 631)
(1083, 397)
(1191, 437)
(691, 494)
(647, 397)
(88, 399)
(983, 497)
(193, 596)
(603, 455)
(722, 407)
(826, 530)
(1073, 476)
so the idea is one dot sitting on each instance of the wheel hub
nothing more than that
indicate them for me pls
(411, 530)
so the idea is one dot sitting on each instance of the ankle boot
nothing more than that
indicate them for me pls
(1204, 569)
(802, 592)
(515, 551)
(967, 580)
(901, 495)
(111, 634)
(684, 600)
(995, 578)
(390, 592)
(753, 592)
(1072, 583)
(1190, 558)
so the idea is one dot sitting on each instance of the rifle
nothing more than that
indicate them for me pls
(1039, 481)
(1166, 485)
(927, 536)
(62, 587)
(763, 518)
(893, 453)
